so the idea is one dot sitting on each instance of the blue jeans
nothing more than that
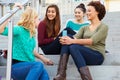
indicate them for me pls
(82, 56)
(29, 71)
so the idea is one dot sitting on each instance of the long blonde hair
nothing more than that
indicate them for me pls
(28, 20)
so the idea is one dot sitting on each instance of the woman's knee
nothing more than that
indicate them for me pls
(101, 60)
(38, 65)
(76, 47)
(73, 47)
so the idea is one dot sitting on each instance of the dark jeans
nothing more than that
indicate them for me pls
(52, 48)
(83, 56)
(55, 46)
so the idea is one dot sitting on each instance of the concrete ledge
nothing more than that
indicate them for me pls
(105, 72)
(111, 59)
(3, 71)
(110, 70)
(97, 72)
(2, 61)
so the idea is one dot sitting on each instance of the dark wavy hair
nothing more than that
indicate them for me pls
(82, 7)
(99, 7)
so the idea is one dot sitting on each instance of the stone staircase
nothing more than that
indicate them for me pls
(97, 72)
(109, 70)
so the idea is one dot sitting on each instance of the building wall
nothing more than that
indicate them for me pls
(113, 5)
(66, 7)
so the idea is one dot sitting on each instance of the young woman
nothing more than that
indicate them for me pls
(78, 22)
(49, 31)
(87, 47)
(24, 66)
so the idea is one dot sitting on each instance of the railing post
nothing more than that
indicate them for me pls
(9, 59)
(9, 55)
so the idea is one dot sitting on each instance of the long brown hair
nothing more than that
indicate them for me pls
(53, 27)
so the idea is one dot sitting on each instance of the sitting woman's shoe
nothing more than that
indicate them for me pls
(85, 73)
(61, 73)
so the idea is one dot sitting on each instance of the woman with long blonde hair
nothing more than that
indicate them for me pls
(24, 66)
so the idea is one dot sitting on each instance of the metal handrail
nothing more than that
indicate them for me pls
(9, 56)
(8, 15)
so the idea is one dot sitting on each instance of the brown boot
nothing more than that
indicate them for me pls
(61, 73)
(60, 62)
(85, 73)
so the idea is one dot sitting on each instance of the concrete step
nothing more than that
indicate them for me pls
(110, 70)
(110, 59)
(98, 72)
(2, 61)
(3, 42)
(2, 72)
